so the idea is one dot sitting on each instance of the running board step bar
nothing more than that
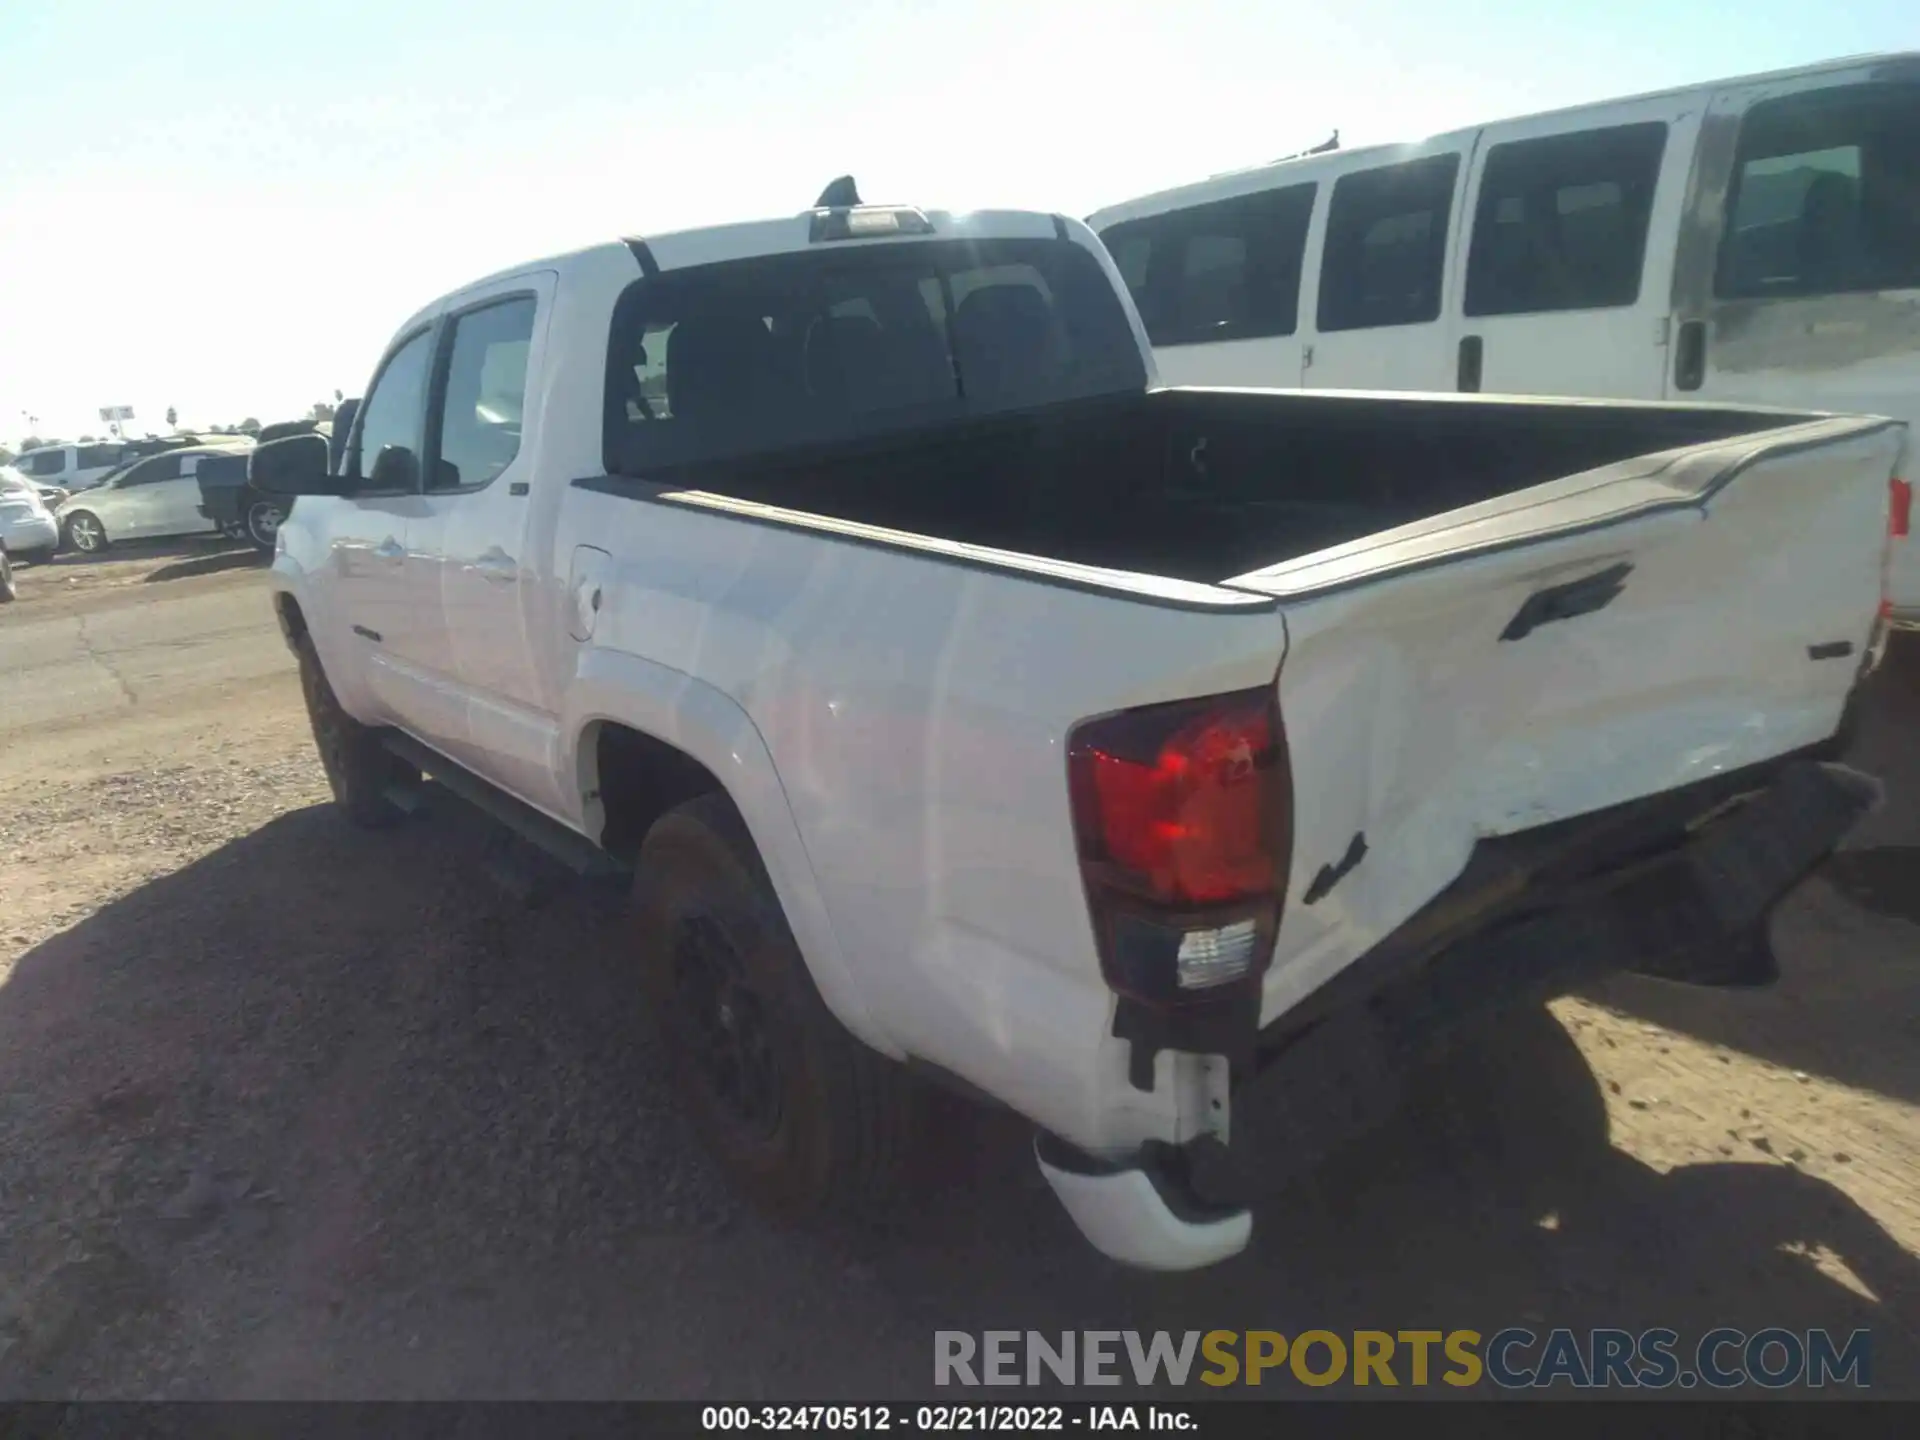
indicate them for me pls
(575, 852)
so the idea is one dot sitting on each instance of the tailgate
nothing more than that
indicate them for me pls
(1560, 650)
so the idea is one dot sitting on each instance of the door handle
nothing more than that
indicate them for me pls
(1690, 355)
(390, 549)
(1472, 354)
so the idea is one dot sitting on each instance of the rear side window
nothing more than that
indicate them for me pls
(1561, 222)
(484, 393)
(1227, 270)
(93, 457)
(835, 343)
(1825, 196)
(1386, 245)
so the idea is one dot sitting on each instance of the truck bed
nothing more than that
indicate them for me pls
(1202, 485)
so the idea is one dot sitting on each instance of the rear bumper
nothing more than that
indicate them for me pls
(1679, 887)
(31, 534)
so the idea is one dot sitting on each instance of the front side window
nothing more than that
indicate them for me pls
(1386, 245)
(484, 394)
(1561, 222)
(1226, 270)
(390, 418)
(832, 344)
(1825, 196)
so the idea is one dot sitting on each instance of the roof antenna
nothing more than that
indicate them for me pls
(839, 195)
(1330, 144)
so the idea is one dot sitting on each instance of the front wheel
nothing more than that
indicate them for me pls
(804, 1118)
(85, 533)
(360, 771)
(263, 523)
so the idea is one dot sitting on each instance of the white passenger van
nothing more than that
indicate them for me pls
(1754, 240)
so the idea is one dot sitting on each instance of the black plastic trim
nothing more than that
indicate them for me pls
(571, 849)
(825, 527)
(1332, 875)
(1695, 500)
(643, 253)
(1831, 650)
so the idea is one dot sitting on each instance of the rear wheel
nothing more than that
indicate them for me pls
(85, 532)
(807, 1120)
(263, 522)
(359, 769)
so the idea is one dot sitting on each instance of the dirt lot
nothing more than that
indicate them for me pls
(287, 1110)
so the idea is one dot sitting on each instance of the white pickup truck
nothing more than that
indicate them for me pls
(1169, 765)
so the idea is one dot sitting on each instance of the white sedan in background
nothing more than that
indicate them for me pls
(157, 496)
(28, 530)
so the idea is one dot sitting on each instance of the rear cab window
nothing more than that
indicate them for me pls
(1225, 270)
(843, 341)
(1825, 196)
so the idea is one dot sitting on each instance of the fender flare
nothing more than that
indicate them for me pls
(710, 726)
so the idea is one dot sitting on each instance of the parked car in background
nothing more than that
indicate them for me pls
(229, 502)
(74, 467)
(28, 530)
(1753, 240)
(157, 496)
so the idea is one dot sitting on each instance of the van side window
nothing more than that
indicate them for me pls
(47, 462)
(1561, 222)
(1825, 196)
(1226, 270)
(92, 457)
(1386, 245)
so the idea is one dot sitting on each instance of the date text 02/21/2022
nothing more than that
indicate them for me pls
(939, 1419)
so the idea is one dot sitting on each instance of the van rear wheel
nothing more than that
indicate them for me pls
(804, 1118)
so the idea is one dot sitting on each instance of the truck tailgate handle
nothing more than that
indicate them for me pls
(1563, 602)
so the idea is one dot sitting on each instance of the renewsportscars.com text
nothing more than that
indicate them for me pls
(1513, 1358)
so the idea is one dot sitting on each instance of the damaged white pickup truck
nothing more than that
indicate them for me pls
(1168, 764)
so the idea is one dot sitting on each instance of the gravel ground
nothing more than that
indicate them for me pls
(291, 1111)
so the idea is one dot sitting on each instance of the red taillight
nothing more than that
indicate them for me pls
(1900, 509)
(1183, 818)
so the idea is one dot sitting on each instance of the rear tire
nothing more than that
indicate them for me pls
(359, 769)
(805, 1119)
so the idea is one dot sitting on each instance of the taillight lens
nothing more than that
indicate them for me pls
(1900, 509)
(1183, 817)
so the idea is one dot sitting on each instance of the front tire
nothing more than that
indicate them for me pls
(805, 1119)
(359, 769)
(85, 533)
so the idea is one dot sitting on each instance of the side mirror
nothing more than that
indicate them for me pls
(394, 469)
(294, 466)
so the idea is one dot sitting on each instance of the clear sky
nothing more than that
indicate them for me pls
(228, 207)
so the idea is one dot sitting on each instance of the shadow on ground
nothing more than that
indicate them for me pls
(242, 559)
(1848, 1002)
(328, 1114)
